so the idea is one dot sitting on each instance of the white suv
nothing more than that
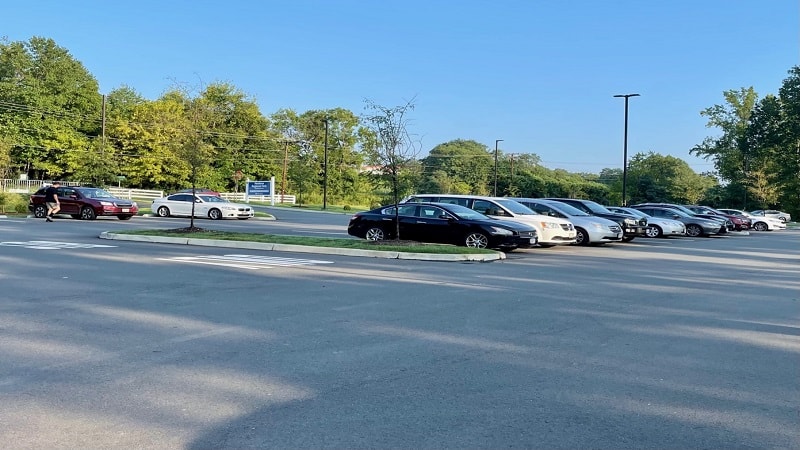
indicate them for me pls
(552, 230)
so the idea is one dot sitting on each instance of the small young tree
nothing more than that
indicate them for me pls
(390, 146)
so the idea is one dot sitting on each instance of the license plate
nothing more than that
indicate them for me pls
(630, 230)
(126, 210)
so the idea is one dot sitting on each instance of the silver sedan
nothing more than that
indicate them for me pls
(656, 226)
(209, 206)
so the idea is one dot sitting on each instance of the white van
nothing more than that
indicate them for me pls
(552, 230)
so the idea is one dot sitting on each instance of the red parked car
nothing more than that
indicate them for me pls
(739, 223)
(84, 203)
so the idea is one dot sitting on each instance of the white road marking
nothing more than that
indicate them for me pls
(249, 262)
(51, 245)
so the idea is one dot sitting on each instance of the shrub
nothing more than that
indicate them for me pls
(10, 202)
(346, 207)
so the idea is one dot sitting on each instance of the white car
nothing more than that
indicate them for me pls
(758, 223)
(551, 230)
(209, 206)
(780, 215)
(656, 226)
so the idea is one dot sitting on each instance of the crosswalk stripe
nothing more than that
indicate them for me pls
(249, 262)
(52, 245)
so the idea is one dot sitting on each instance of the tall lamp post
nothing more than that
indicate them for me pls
(625, 149)
(495, 165)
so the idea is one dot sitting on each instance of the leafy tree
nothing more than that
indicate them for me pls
(468, 163)
(659, 178)
(391, 146)
(49, 106)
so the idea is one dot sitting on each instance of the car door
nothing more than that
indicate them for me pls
(432, 224)
(69, 198)
(180, 204)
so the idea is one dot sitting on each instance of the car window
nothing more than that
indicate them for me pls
(417, 199)
(180, 198)
(484, 207)
(405, 210)
(453, 201)
(66, 192)
(430, 212)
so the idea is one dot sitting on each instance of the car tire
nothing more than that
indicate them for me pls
(214, 214)
(760, 226)
(694, 230)
(375, 234)
(162, 211)
(39, 211)
(581, 236)
(124, 217)
(476, 240)
(88, 213)
(654, 231)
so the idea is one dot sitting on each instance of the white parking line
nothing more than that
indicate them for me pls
(249, 262)
(51, 245)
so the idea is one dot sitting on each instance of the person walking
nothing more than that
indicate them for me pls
(51, 200)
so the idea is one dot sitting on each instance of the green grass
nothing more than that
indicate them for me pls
(312, 241)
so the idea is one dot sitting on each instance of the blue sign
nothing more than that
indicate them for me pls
(259, 188)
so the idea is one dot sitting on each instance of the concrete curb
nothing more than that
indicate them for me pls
(301, 248)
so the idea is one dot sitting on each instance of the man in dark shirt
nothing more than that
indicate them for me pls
(51, 200)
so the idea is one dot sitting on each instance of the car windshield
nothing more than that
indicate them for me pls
(96, 193)
(596, 207)
(212, 199)
(516, 207)
(567, 209)
(634, 212)
(462, 212)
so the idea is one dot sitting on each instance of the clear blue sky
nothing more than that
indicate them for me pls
(538, 74)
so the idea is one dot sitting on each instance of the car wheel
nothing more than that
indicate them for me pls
(124, 217)
(693, 230)
(760, 226)
(39, 211)
(375, 234)
(88, 213)
(654, 231)
(476, 240)
(581, 237)
(162, 211)
(214, 214)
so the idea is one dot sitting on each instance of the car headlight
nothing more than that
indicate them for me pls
(551, 225)
(106, 203)
(135, 205)
(501, 231)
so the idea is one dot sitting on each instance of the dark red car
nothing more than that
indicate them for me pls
(84, 203)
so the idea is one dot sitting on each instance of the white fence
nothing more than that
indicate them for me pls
(30, 186)
(240, 197)
(134, 193)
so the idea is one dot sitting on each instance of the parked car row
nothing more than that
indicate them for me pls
(555, 221)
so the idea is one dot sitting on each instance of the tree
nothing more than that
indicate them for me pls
(658, 178)
(391, 148)
(49, 107)
(467, 163)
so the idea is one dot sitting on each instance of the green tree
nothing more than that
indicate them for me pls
(49, 107)
(468, 164)
(657, 178)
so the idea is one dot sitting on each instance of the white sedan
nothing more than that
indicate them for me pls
(782, 216)
(758, 223)
(209, 206)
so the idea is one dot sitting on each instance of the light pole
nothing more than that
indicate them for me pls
(625, 148)
(325, 170)
(495, 165)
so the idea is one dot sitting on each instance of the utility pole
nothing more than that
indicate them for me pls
(325, 170)
(285, 164)
(495, 165)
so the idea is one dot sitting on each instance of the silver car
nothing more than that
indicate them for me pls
(589, 229)
(780, 215)
(656, 226)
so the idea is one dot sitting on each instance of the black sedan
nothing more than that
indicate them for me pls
(442, 223)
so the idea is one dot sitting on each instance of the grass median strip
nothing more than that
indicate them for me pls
(386, 246)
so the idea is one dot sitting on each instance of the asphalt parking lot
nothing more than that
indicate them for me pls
(678, 343)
